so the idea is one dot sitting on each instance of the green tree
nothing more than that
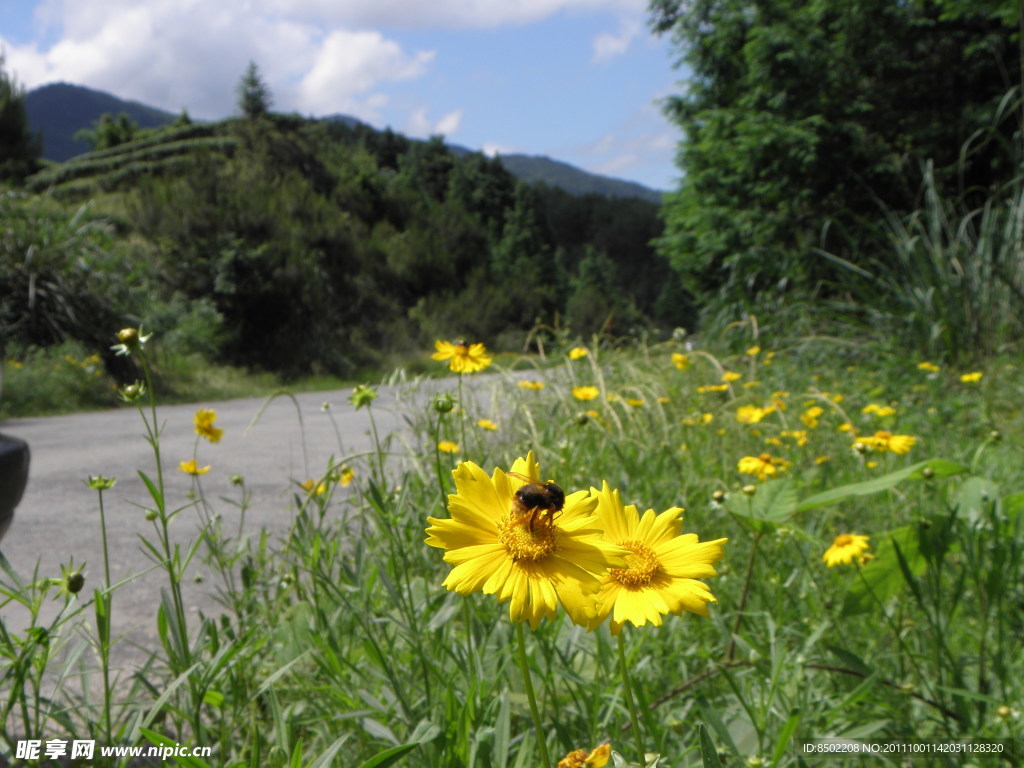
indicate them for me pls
(19, 147)
(109, 131)
(254, 98)
(802, 117)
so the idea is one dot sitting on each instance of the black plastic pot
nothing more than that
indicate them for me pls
(14, 459)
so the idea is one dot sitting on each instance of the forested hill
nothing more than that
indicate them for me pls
(61, 110)
(299, 245)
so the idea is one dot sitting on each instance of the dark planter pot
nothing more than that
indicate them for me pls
(14, 458)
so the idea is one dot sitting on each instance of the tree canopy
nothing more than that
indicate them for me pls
(19, 147)
(802, 120)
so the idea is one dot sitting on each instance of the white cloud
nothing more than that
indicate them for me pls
(607, 46)
(420, 126)
(491, 149)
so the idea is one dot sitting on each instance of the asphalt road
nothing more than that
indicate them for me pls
(58, 518)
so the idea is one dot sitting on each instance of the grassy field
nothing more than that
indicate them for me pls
(338, 645)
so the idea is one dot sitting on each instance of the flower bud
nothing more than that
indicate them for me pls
(718, 496)
(749, 490)
(927, 473)
(74, 582)
(444, 403)
(363, 396)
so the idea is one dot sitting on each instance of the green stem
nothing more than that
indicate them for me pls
(376, 445)
(524, 670)
(627, 692)
(108, 600)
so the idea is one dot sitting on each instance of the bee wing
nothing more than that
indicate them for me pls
(524, 478)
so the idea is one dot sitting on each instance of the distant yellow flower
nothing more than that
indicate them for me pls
(663, 400)
(751, 414)
(447, 446)
(926, 366)
(487, 424)
(662, 564)
(535, 386)
(821, 460)
(204, 419)
(309, 485)
(764, 466)
(346, 475)
(799, 435)
(731, 376)
(845, 548)
(971, 378)
(578, 352)
(713, 388)
(585, 393)
(845, 427)
(636, 402)
(580, 758)
(191, 468)
(680, 361)
(881, 411)
(462, 357)
(811, 416)
(754, 351)
(534, 558)
(884, 440)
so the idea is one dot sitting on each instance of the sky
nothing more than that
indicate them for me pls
(577, 80)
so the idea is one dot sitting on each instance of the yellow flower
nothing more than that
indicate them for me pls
(800, 435)
(764, 466)
(926, 366)
(585, 393)
(754, 351)
(462, 357)
(487, 424)
(535, 558)
(346, 475)
(204, 419)
(821, 460)
(751, 414)
(811, 415)
(447, 446)
(731, 376)
(535, 386)
(309, 485)
(971, 378)
(845, 548)
(662, 564)
(884, 440)
(663, 400)
(680, 361)
(636, 402)
(881, 411)
(713, 388)
(190, 467)
(577, 352)
(580, 758)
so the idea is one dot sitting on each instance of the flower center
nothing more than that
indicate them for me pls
(641, 566)
(528, 536)
(843, 540)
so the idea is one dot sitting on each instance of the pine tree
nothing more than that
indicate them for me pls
(254, 98)
(19, 147)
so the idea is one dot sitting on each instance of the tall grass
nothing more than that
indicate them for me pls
(336, 644)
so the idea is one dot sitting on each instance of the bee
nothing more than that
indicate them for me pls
(537, 499)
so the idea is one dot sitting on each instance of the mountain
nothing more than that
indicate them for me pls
(60, 110)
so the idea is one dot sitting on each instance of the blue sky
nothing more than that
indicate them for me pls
(577, 80)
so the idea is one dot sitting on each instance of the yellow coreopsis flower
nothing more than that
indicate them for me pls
(730, 376)
(751, 414)
(926, 366)
(191, 468)
(971, 378)
(578, 352)
(309, 485)
(662, 564)
(523, 546)
(764, 466)
(881, 411)
(845, 548)
(462, 357)
(534, 386)
(811, 415)
(883, 440)
(346, 475)
(680, 361)
(753, 351)
(580, 758)
(713, 388)
(447, 446)
(204, 419)
(585, 393)
(487, 424)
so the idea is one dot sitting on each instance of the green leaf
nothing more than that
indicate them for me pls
(785, 735)
(162, 741)
(938, 468)
(708, 753)
(975, 493)
(389, 756)
(774, 502)
(883, 576)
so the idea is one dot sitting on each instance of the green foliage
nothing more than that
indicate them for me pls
(109, 131)
(254, 98)
(799, 117)
(19, 147)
